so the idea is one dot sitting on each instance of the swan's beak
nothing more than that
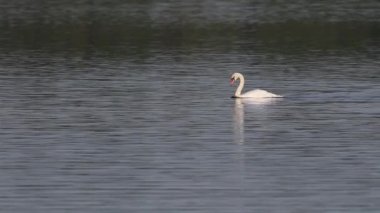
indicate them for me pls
(232, 81)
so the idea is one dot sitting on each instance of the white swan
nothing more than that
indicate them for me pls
(257, 93)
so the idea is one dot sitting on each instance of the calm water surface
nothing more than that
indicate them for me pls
(137, 117)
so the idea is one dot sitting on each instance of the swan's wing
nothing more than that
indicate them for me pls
(259, 93)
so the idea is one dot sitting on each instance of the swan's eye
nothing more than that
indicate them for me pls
(232, 80)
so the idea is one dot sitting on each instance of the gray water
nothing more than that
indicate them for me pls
(125, 107)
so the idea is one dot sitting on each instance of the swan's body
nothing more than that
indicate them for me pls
(257, 93)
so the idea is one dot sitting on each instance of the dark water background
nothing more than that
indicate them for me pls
(123, 106)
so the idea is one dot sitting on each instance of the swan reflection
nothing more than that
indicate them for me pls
(238, 121)
(256, 106)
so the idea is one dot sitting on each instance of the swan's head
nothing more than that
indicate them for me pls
(234, 77)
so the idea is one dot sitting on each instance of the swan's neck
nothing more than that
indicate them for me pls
(240, 87)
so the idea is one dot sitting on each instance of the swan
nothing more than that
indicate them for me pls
(257, 93)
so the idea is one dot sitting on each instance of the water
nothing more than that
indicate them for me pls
(125, 107)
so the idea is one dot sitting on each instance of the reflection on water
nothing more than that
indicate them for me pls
(238, 122)
(139, 29)
(256, 109)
